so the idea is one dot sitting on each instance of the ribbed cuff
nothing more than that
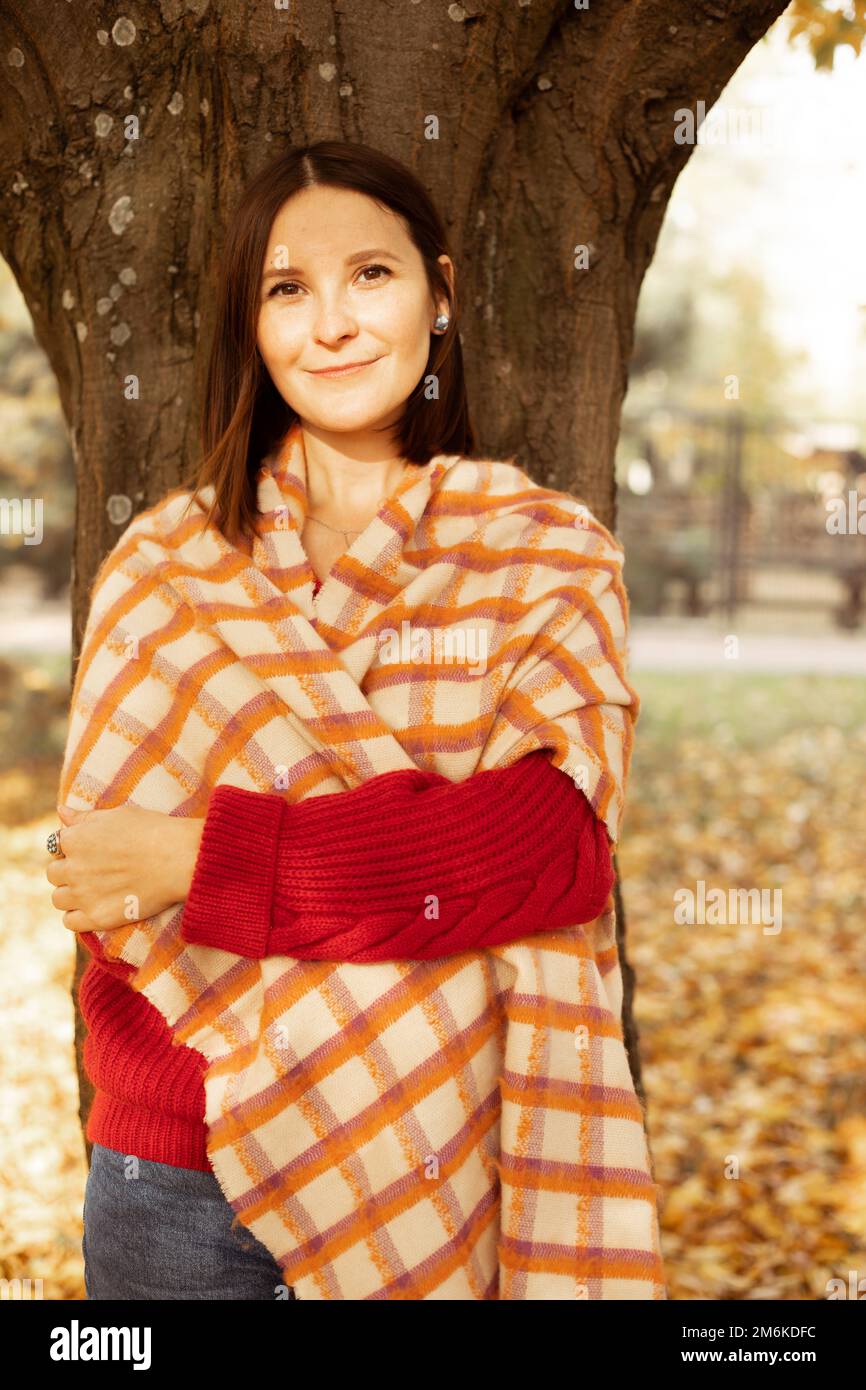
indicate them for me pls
(130, 1128)
(231, 894)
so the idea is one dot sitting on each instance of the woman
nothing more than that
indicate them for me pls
(343, 508)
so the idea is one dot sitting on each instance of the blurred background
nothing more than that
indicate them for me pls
(742, 475)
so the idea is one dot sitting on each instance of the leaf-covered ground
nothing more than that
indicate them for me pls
(753, 1044)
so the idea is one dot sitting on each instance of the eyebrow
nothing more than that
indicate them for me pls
(350, 260)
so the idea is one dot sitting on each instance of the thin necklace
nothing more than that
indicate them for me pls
(339, 530)
(344, 534)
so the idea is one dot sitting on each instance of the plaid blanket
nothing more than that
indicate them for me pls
(464, 1128)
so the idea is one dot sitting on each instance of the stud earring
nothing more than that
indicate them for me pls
(442, 322)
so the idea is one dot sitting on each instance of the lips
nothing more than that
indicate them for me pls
(348, 369)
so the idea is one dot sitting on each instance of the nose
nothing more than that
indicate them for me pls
(333, 320)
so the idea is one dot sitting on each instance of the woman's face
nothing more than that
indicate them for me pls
(344, 283)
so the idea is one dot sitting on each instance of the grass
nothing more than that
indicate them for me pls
(745, 710)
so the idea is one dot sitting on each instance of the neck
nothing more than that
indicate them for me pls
(347, 474)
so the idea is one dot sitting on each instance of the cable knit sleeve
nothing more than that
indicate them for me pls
(407, 866)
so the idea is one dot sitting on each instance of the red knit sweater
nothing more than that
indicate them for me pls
(504, 854)
(405, 866)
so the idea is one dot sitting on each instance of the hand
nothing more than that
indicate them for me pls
(121, 865)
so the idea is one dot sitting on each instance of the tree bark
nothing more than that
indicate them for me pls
(539, 128)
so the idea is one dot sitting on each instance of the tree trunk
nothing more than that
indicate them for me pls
(540, 128)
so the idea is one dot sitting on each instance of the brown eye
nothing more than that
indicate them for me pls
(275, 292)
(374, 267)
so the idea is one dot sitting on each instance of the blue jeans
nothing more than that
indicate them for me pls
(167, 1234)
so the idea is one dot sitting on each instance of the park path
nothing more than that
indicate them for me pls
(656, 644)
(699, 645)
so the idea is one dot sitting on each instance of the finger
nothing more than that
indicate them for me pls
(77, 922)
(57, 871)
(63, 898)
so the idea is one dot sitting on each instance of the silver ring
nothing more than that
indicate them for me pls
(53, 844)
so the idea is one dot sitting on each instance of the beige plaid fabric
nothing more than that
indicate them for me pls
(464, 1128)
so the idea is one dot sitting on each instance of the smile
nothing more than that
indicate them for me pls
(345, 371)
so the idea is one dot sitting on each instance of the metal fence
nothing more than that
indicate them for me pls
(718, 510)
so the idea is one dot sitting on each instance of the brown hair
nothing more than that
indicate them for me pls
(244, 416)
